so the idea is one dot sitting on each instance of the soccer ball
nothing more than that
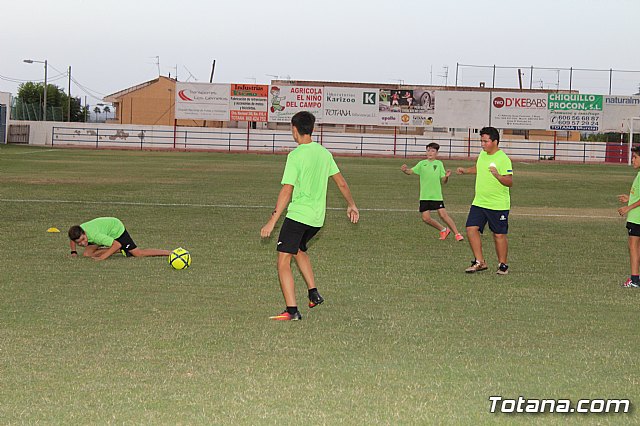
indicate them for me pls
(180, 259)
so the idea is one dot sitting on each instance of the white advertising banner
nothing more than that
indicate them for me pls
(249, 102)
(462, 109)
(514, 110)
(202, 101)
(616, 112)
(406, 107)
(285, 101)
(350, 105)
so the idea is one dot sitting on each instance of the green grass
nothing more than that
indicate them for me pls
(405, 337)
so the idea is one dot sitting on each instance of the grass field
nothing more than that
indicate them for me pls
(405, 337)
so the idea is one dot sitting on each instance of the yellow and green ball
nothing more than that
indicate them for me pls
(180, 259)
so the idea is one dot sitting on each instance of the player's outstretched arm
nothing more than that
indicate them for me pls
(111, 250)
(283, 200)
(468, 171)
(624, 198)
(406, 170)
(74, 249)
(352, 210)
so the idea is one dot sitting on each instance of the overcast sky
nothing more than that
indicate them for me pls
(112, 45)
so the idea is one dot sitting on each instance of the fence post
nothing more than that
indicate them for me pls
(584, 152)
(539, 150)
(53, 134)
(273, 144)
(395, 139)
(185, 139)
(361, 143)
(450, 147)
(229, 141)
(142, 140)
(248, 127)
(97, 137)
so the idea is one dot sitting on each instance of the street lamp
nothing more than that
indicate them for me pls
(44, 107)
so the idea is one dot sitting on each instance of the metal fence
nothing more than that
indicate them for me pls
(234, 140)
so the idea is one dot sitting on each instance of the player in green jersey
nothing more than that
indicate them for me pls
(304, 183)
(492, 202)
(105, 236)
(632, 212)
(432, 176)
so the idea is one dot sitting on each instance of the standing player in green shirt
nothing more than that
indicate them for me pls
(633, 222)
(432, 176)
(304, 183)
(494, 177)
(105, 236)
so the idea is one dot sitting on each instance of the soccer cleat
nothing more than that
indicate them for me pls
(503, 269)
(316, 299)
(444, 234)
(630, 284)
(125, 253)
(476, 266)
(459, 237)
(286, 316)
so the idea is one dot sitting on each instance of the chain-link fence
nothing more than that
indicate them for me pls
(33, 112)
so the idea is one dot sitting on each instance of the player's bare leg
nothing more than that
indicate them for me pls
(286, 278)
(473, 234)
(426, 218)
(634, 255)
(304, 264)
(448, 220)
(501, 247)
(138, 252)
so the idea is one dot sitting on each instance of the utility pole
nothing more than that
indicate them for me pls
(69, 98)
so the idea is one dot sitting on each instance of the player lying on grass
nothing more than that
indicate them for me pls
(105, 236)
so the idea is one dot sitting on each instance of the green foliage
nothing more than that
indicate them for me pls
(404, 337)
(30, 98)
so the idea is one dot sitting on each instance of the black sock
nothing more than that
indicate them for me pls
(313, 292)
(635, 279)
(292, 309)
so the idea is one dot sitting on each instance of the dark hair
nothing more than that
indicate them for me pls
(636, 150)
(304, 122)
(492, 132)
(434, 146)
(75, 232)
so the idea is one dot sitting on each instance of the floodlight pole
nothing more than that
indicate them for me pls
(44, 102)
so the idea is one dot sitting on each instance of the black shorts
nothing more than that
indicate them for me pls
(126, 242)
(498, 219)
(427, 205)
(634, 229)
(294, 236)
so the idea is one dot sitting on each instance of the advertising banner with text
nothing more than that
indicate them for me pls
(571, 111)
(285, 101)
(249, 102)
(350, 105)
(406, 107)
(202, 101)
(513, 110)
(617, 111)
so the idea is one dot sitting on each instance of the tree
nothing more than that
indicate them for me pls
(30, 98)
(97, 111)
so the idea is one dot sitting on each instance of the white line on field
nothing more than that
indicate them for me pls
(240, 206)
(31, 152)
